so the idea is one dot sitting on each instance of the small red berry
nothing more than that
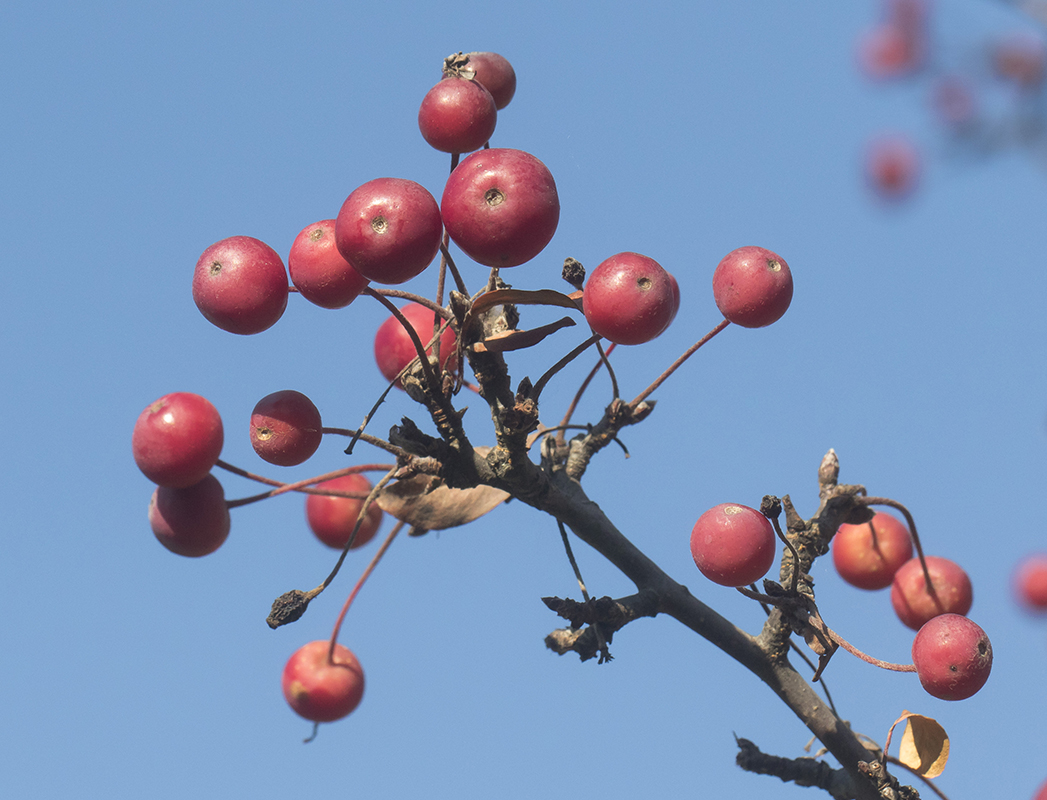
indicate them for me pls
(733, 545)
(319, 272)
(630, 299)
(177, 439)
(892, 167)
(285, 428)
(389, 229)
(911, 600)
(332, 519)
(953, 657)
(888, 51)
(193, 521)
(394, 350)
(1030, 582)
(752, 287)
(321, 689)
(496, 74)
(500, 207)
(869, 554)
(457, 115)
(240, 285)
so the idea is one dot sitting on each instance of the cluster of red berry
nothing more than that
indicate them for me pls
(971, 111)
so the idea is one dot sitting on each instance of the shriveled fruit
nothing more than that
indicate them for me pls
(193, 521)
(630, 299)
(322, 689)
(240, 285)
(868, 555)
(177, 439)
(752, 286)
(286, 428)
(332, 519)
(732, 544)
(953, 657)
(914, 605)
(319, 272)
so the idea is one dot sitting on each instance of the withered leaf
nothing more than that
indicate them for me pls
(925, 745)
(426, 502)
(517, 340)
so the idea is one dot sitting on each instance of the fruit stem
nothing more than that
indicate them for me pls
(298, 486)
(601, 643)
(359, 584)
(427, 368)
(610, 370)
(676, 364)
(563, 362)
(886, 501)
(565, 422)
(854, 651)
(445, 258)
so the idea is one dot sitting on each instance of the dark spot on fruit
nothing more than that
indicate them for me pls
(316, 234)
(379, 225)
(263, 433)
(644, 284)
(216, 267)
(774, 266)
(494, 197)
(953, 668)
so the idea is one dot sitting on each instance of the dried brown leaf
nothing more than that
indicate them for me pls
(426, 502)
(925, 745)
(517, 340)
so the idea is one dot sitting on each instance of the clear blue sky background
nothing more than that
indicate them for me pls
(133, 135)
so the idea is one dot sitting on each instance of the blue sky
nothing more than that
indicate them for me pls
(134, 136)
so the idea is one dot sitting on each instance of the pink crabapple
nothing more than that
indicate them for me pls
(394, 350)
(733, 545)
(1030, 582)
(953, 657)
(752, 286)
(319, 272)
(500, 207)
(321, 689)
(457, 115)
(240, 285)
(892, 167)
(286, 428)
(331, 519)
(389, 229)
(913, 603)
(193, 521)
(869, 554)
(496, 74)
(177, 439)
(630, 299)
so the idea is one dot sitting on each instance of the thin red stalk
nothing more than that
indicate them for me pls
(565, 422)
(678, 362)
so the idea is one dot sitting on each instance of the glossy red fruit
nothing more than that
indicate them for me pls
(193, 521)
(286, 428)
(630, 299)
(496, 74)
(733, 545)
(500, 207)
(752, 286)
(868, 555)
(394, 350)
(319, 272)
(240, 285)
(177, 439)
(911, 600)
(953, 657)
(892, 167)
(389, 229)
(332, 518)
(321, 689)
(1030, 582)
(457, 115)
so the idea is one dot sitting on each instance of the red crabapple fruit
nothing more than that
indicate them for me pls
(1030, 582)
(888, 51)
(319, 272)
(332, 519)
(500, 207)
(394, 350)
(240, 285)
(322, 689)
(177, 439)
(630, 299)
(892, 167)
(285, 428)
(389, 229)
(733, 545)
(913, 603)
(457, 115)
(953, 657)
(193, 521)
(868, 555)
(496, 74)
(752, 287)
